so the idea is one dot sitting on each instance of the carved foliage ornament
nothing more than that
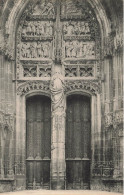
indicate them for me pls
(88, 86)
(114, 118)
(79, 71)
(33, 86)
(7, 120)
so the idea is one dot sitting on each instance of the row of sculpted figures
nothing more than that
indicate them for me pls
(74, 49)
(37, 28)
(76, 28)
(43, 28)
(35, 49)
(80, 49)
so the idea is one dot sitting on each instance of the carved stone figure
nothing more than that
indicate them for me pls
(90, 49)
(42, 29)
(69, 29)
(82, 29)
(39, 50)
(49, 28)
(57, 91)
(46, 50)
(68, 49)
(48, 8)
(37, 28)
(76, 28)
(87, 29)
(33, 50)
(29, 29)
(77, 49)
(25, 52)
(33, 28)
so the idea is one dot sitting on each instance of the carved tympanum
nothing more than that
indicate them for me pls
(55, 32)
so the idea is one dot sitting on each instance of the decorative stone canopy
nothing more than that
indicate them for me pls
(32, 86)
(87, 86)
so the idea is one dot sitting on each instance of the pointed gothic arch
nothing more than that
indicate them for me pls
(20, 6)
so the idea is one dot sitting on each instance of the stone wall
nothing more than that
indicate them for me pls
(107, 137)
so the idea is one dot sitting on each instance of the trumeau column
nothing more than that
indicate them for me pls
(58, 131)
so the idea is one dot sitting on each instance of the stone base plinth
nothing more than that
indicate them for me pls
(57, 184)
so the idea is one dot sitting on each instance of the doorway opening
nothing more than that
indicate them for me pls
(78, 142)
(38, 142)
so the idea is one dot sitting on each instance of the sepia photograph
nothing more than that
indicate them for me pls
(61, 97)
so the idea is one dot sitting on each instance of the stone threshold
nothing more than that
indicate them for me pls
(60, 192)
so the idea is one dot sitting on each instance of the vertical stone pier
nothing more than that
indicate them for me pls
(58, 132)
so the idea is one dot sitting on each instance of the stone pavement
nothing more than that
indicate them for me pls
(60, 192)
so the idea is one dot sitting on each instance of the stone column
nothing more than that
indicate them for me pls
(20, 142)
(58, 132)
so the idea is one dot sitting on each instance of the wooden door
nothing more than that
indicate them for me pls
(38, 141)
(78, 135)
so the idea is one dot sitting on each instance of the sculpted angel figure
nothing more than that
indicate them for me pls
(57, 91)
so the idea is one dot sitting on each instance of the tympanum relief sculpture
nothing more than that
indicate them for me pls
(35, 50)
(78, 49)
(76, 28)
(44, 33)
(37, 28)
(45, 8)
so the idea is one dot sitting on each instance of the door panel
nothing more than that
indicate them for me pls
(78, 133)
(38, 140)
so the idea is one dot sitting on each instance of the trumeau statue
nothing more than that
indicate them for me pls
(57, 93)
